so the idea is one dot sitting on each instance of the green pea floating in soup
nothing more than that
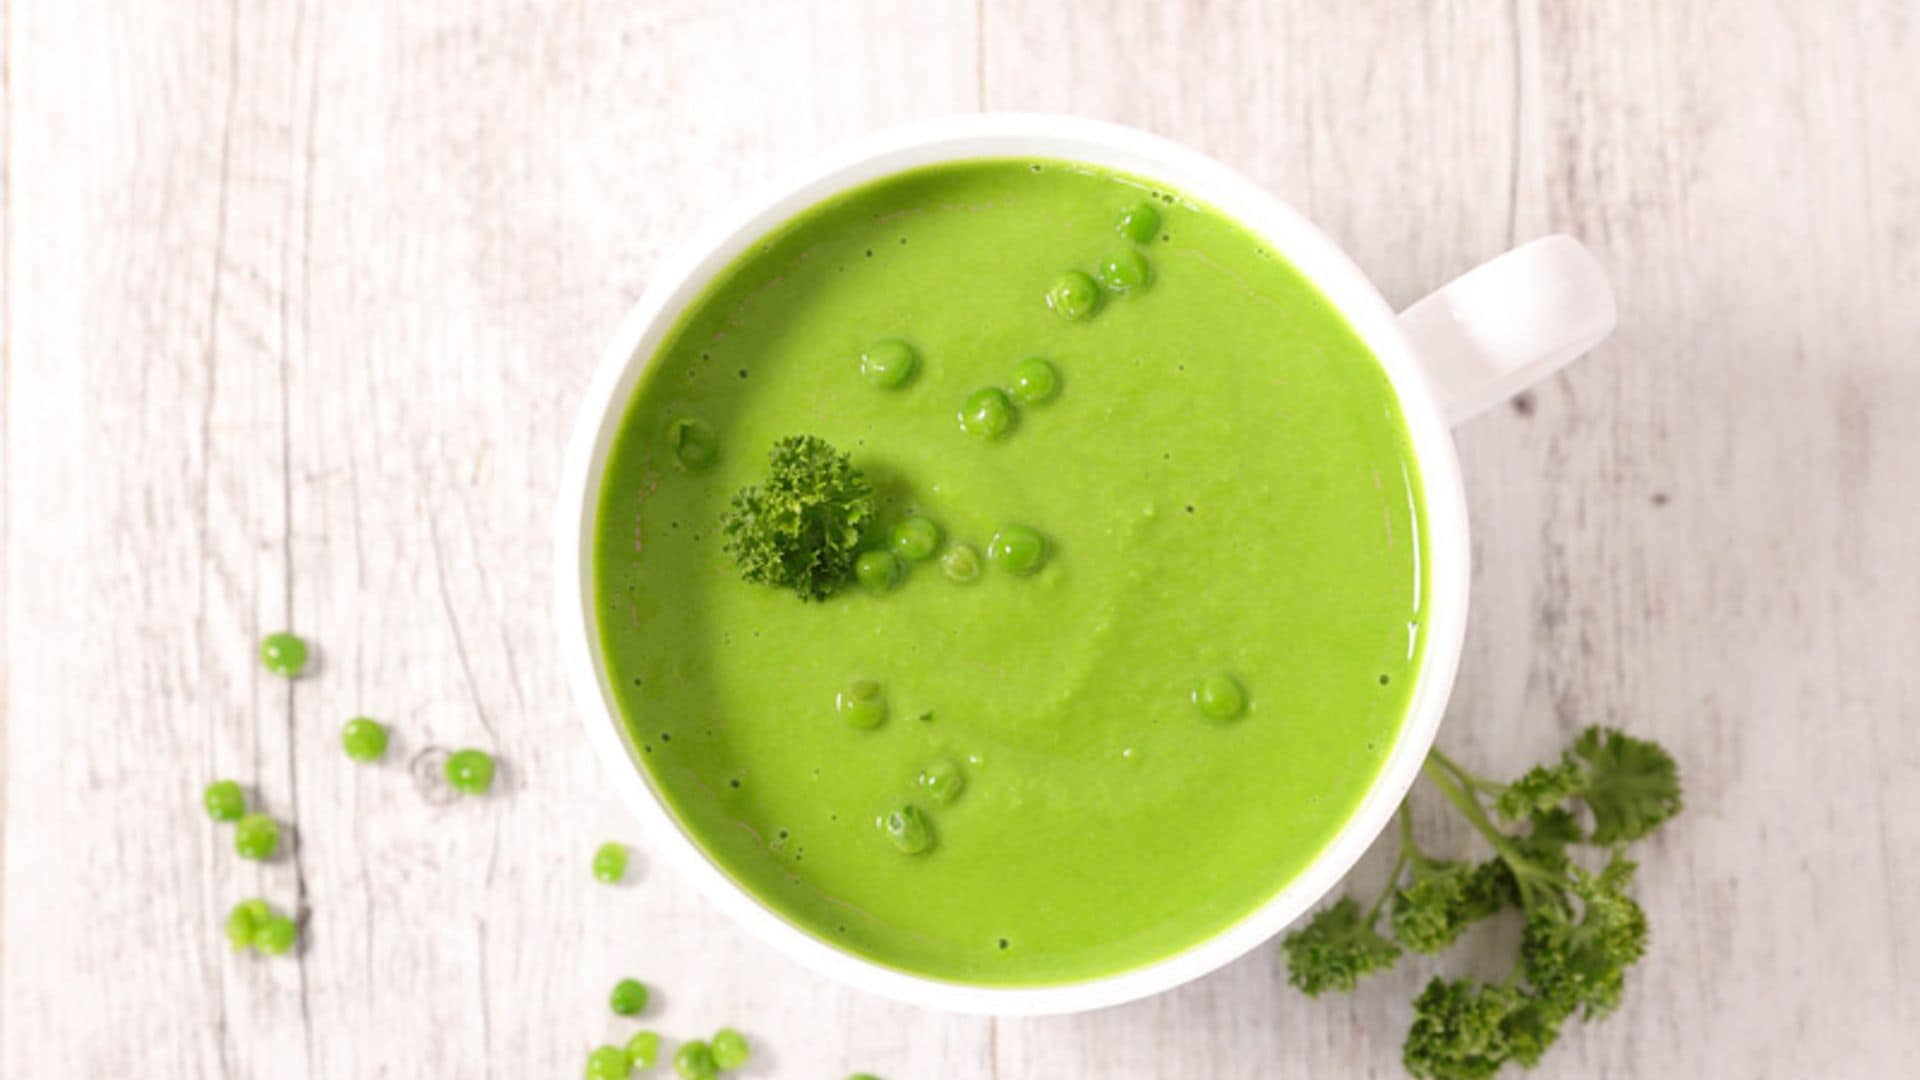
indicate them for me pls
(942, 780)
(878, 571)
(888, 363)
(1073, 295)
(987, 413)
(915, 539)
(1124, 271)
(862, 704)
(1220, 697)
(692, 443)
(1035, 380)
(1017, 550)
(961, 563)
(908, 829)
(1138, 223)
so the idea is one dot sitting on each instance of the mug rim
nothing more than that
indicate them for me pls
(685, 275)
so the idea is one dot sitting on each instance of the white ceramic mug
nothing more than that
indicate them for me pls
(1508, 323)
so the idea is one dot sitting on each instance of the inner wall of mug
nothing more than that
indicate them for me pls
(1115, 149)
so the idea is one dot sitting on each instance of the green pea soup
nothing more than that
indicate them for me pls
(1091, 755)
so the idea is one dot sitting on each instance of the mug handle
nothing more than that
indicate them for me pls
(1509, 323)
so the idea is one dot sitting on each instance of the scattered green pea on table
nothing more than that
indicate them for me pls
(608, 1063)
(253, 924)
(730, 1050)
(364, 739)
(610, 863)
(244, 920)
(644, 1049)
(224, 801)
(284, 654)
(276, 935)
(694, 1061)
(629, 997)
(469, 771)
(257, 837)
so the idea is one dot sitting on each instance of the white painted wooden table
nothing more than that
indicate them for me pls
(298, 297)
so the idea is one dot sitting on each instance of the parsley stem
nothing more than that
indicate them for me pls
(1467, 804)
(1467, 779)
(1533, 879)
(1409, 847)
(1393, 878)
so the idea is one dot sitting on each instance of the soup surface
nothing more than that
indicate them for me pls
(1226, 496)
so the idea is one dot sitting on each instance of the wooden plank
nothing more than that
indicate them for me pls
(1338, 117)
(314, 293)
(146, 461)
(1723, 498)
(1755, 198)
(489, 191)
(6, 376)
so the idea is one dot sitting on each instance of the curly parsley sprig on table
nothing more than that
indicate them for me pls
(1582, 930)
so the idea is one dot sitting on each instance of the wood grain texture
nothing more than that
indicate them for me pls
(298, 299)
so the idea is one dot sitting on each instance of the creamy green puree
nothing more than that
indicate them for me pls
(1228, 504)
